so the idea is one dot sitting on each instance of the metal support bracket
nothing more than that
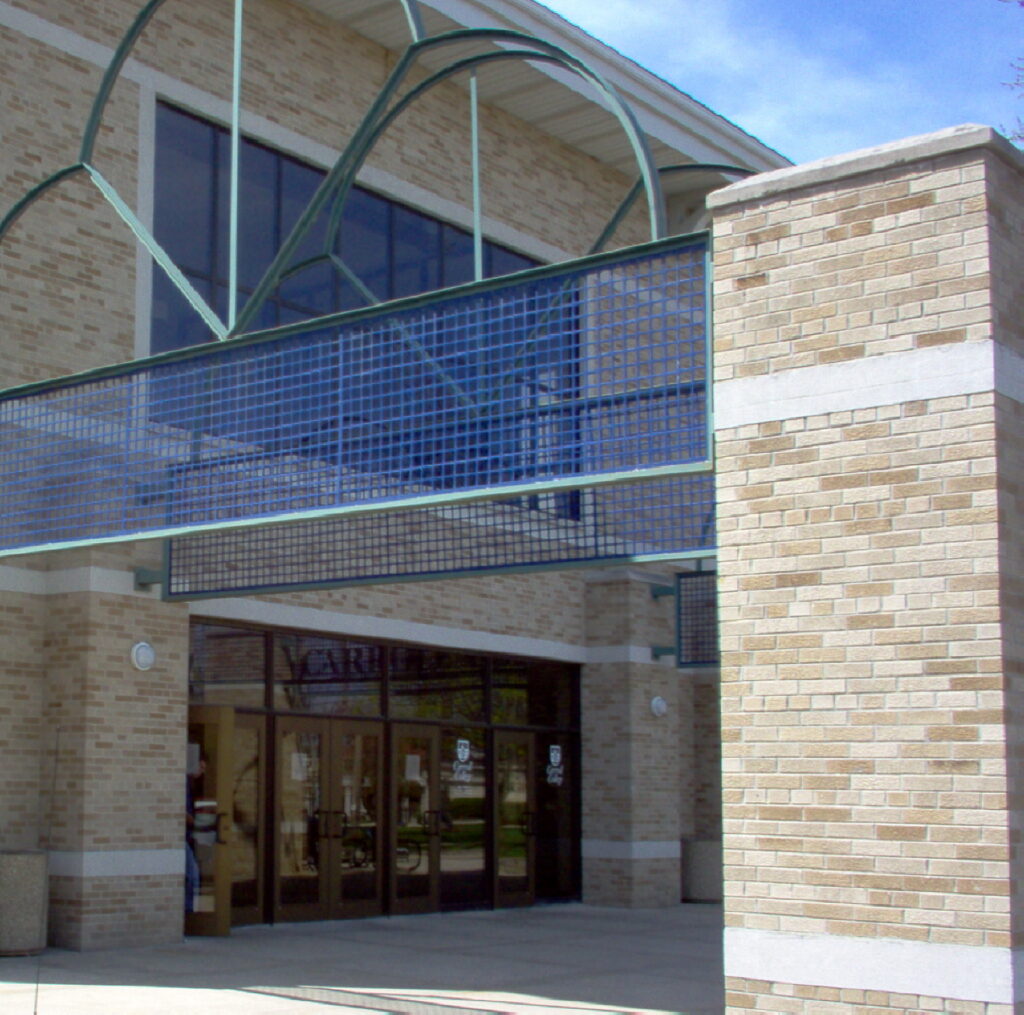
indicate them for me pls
(147, 577)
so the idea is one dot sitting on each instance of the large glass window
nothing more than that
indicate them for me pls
(447, 380)
(391, 249)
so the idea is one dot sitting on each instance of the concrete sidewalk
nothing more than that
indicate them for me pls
(550, 959)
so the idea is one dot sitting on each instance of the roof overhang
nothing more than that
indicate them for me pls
(679, 128)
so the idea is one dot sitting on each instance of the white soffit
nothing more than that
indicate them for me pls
(679, 128)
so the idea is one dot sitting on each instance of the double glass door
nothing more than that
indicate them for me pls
(330, 818)
(439, 821)
(328, 796)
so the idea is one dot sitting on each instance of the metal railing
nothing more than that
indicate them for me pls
(534, 402)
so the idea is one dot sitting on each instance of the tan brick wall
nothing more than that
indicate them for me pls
(862, 722)
(120, 764)
(22, 683)
(1006, 227)
(892, 261)
(631, 760)
(119, 912)
(780, 998)
(860, 561)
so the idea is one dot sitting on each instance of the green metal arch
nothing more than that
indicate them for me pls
(341, 178)
(113, 72)
(339, 181)
(634, 192)
(127, 44)
(30, 197)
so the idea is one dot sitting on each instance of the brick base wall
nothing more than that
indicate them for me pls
(761, 996)
(113, 912)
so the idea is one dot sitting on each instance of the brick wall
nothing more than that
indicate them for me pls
(860, 562)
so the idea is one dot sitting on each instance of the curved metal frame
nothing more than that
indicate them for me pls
(340, 179)
(634, 192)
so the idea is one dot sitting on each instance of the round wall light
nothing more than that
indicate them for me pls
(659, 706)
(143, 655)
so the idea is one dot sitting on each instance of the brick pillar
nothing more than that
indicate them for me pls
(869, 378)
(117, 738)
(21, 731)
(631, 758)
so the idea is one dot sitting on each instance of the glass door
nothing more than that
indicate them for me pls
(208, 820)
(355, 847)
(248, 827)
(328, 851)
(514, 816)
(301, 821)
(464, 819)
(415, 818)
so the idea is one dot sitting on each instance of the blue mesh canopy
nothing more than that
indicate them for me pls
(553, 416)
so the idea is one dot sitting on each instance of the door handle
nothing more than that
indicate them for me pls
(432, 822)
(527, 824)
(341, 819)
(219, 836)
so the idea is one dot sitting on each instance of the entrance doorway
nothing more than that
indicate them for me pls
(327, 844)
(445, 800)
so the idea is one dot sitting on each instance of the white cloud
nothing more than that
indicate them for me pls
(814, 88)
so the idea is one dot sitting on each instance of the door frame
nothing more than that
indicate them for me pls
(332, 838)
(429, 849)
(525, 897)
(340, 839)
(216, 742)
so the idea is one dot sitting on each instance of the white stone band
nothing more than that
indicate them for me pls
(941, 371)
(116, 863)
(958, 972)
(607, 849)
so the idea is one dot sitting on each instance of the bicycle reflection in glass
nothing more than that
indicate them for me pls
(358, 850)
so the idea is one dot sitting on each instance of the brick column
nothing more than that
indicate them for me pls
(116, 819)
(631, 758)
(869, 379)
(22, 672)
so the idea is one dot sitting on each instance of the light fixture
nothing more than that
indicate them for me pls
(143, 655)
(659, 706)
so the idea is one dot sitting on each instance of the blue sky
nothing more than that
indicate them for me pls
(820, 77)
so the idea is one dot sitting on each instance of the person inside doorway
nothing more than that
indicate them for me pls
(193, 782)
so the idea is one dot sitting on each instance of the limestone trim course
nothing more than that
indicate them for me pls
(116, 863)
(608, 849)
(959, 972)
(941, 371)
(882, 157)
(113, 582)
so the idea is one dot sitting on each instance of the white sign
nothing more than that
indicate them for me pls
(300, 766)
(412, 767)
(555, 769)
(462, 766)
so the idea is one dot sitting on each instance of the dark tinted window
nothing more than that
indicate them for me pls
(390, 249)
(425, 684)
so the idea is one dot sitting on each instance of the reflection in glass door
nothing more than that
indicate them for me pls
(207, 900)
(247, 818)
(463, 819)
(300, 881)
(328, 850)
(415, 818)
(356, 845)
(514, 816)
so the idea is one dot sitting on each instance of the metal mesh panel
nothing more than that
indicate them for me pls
(567, 377)
(697, 622)
(636, 520)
